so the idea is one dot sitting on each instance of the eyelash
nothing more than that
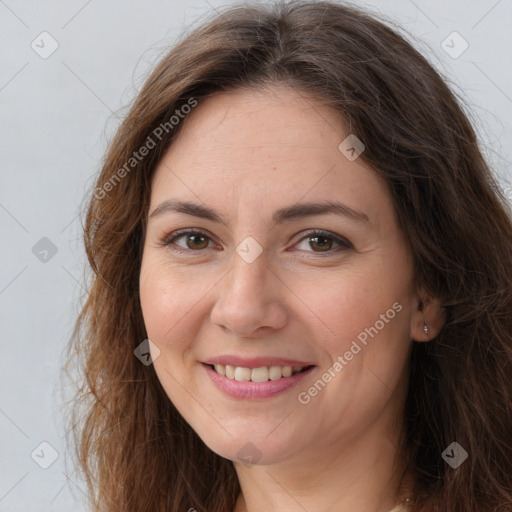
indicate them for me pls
(170, 239)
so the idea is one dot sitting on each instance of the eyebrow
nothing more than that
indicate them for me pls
(293, 212)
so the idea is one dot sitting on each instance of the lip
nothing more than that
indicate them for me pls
(255, 362)
(255, 390)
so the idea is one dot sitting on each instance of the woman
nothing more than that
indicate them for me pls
(302, 291)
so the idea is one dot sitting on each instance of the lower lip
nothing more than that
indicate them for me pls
(252, 390)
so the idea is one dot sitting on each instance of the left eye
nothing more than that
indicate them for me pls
(195, 240)
(324, 241)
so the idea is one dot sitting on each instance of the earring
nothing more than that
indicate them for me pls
(425, 328)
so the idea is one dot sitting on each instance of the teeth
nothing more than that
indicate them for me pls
(230, 371)
(242, 373)
(220, 369)
(275, 372)
(261, 374)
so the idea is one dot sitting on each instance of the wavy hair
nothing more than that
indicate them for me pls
(134, 448)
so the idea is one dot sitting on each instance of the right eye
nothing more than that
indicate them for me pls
(193, 241)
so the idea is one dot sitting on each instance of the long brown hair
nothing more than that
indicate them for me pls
(134, 448)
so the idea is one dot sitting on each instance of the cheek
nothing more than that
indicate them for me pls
(350, 302)
(168, 303)
(370, 316)
(368, 312)
(170, 307)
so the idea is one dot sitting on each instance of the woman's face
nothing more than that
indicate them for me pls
(257, 289)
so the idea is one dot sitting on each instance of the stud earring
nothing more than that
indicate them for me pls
(425, 328)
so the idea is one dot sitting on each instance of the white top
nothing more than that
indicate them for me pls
(399, 508)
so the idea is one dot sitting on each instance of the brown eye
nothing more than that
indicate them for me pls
(196, 241)
(323, 242)
(193, 240)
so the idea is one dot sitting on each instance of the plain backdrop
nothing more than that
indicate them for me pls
(57, 116)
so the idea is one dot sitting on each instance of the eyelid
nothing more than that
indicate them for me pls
(309, 233)
(172, 237)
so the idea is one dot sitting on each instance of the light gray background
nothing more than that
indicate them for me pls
(57, 116)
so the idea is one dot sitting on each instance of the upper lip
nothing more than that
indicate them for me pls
(255, 362)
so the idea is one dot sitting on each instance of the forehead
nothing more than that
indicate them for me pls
(275, 117)
(275, 146)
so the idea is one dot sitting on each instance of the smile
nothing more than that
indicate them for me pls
(255, 383)
(260, 374)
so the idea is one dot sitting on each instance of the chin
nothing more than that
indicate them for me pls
(251, 449)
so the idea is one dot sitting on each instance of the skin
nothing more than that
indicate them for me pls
(247, 153)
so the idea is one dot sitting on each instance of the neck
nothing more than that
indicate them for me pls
(367, 476)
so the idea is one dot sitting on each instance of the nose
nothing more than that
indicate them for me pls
(250, 300)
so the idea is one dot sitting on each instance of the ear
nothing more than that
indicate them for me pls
(430, 313)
